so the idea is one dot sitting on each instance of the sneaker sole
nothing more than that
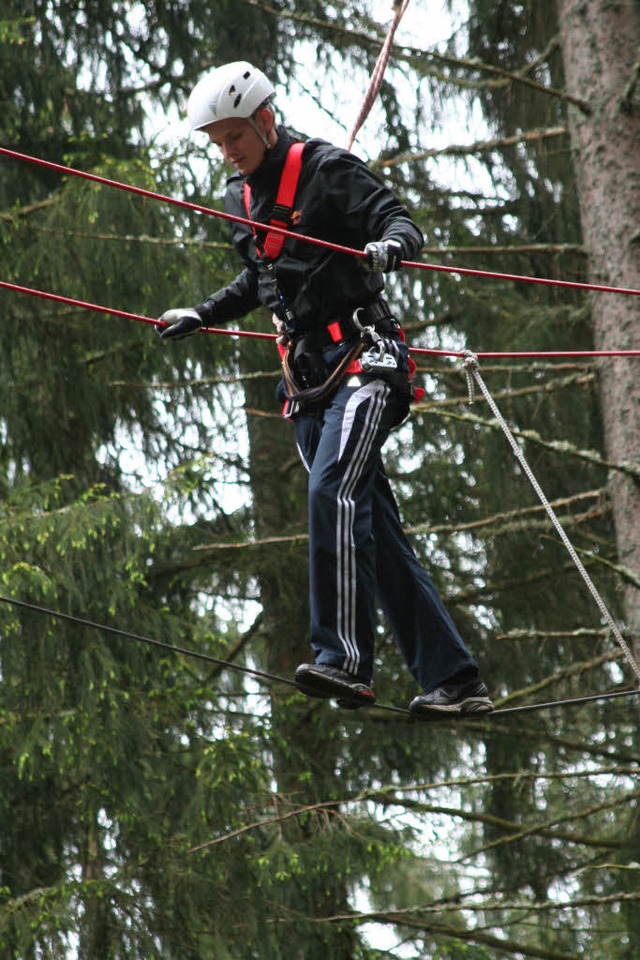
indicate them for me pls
(327, 688)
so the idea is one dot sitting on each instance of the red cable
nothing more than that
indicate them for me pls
(123, 313)
(199, 208)
(418, 265)
(272, 336)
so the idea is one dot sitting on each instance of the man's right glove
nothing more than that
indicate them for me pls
(182, 322)
(383, 255)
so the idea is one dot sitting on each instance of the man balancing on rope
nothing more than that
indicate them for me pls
(345, 385)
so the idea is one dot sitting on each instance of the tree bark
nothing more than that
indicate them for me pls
(600, 41)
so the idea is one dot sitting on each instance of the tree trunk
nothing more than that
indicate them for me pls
(600, 49)
(600, 41)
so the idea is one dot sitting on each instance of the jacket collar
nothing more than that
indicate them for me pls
(270, 170)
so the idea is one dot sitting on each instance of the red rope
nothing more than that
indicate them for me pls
(418, 265)
(185, 204)
(223, 331)
(123, 313)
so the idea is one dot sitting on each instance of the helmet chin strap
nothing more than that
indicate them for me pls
(263, 136)
(261, 133)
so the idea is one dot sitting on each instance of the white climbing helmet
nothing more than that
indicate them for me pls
(233, 90)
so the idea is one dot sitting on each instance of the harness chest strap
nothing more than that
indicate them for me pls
(283, 208)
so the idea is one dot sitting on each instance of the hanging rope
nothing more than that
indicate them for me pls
(315, 241)
(472, 373)
(399, 7)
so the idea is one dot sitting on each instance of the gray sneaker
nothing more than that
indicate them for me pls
(470, 696)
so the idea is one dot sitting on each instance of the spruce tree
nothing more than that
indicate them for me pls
(175, 806)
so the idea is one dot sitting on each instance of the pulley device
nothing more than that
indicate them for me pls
(378, 358)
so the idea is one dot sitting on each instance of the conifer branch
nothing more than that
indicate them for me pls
(505, 77)
(199, 383)
(474, 593)
(393, 793)
(488, 820)
(580, 633)
(571, 816)
(409, 918)
(142, 238)
(627, 99)
(416, 57)
(557, 446)
(495, 520)
(26, 211)
(579, 379)
(566, 673)
(397, 917)
(517, 250)
(392, 796)
(469, 149)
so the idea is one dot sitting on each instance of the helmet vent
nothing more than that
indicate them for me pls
(237, 99)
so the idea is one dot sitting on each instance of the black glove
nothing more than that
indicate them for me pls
(383, 255)
(182, 322)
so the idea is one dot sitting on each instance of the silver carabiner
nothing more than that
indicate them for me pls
(367, 333)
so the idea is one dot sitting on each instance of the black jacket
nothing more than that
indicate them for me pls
(338, 199)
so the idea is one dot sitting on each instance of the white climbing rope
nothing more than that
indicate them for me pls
(472, 373)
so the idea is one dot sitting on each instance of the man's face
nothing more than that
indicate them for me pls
(238, 142)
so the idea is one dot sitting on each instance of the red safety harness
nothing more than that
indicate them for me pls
(281, 216)
(270, 247)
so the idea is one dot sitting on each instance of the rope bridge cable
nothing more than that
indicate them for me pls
(316, 241)
(570, 702)
(252, 334)
(260, 675)
(500, 712)
(270, 678)
(127, 635)
(472, 373)
(504, 712)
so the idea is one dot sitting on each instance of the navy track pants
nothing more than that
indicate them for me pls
(359, 555)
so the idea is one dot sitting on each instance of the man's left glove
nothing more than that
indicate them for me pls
(383, 255)
(182, 322)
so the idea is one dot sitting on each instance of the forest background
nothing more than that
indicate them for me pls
(183, 805)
